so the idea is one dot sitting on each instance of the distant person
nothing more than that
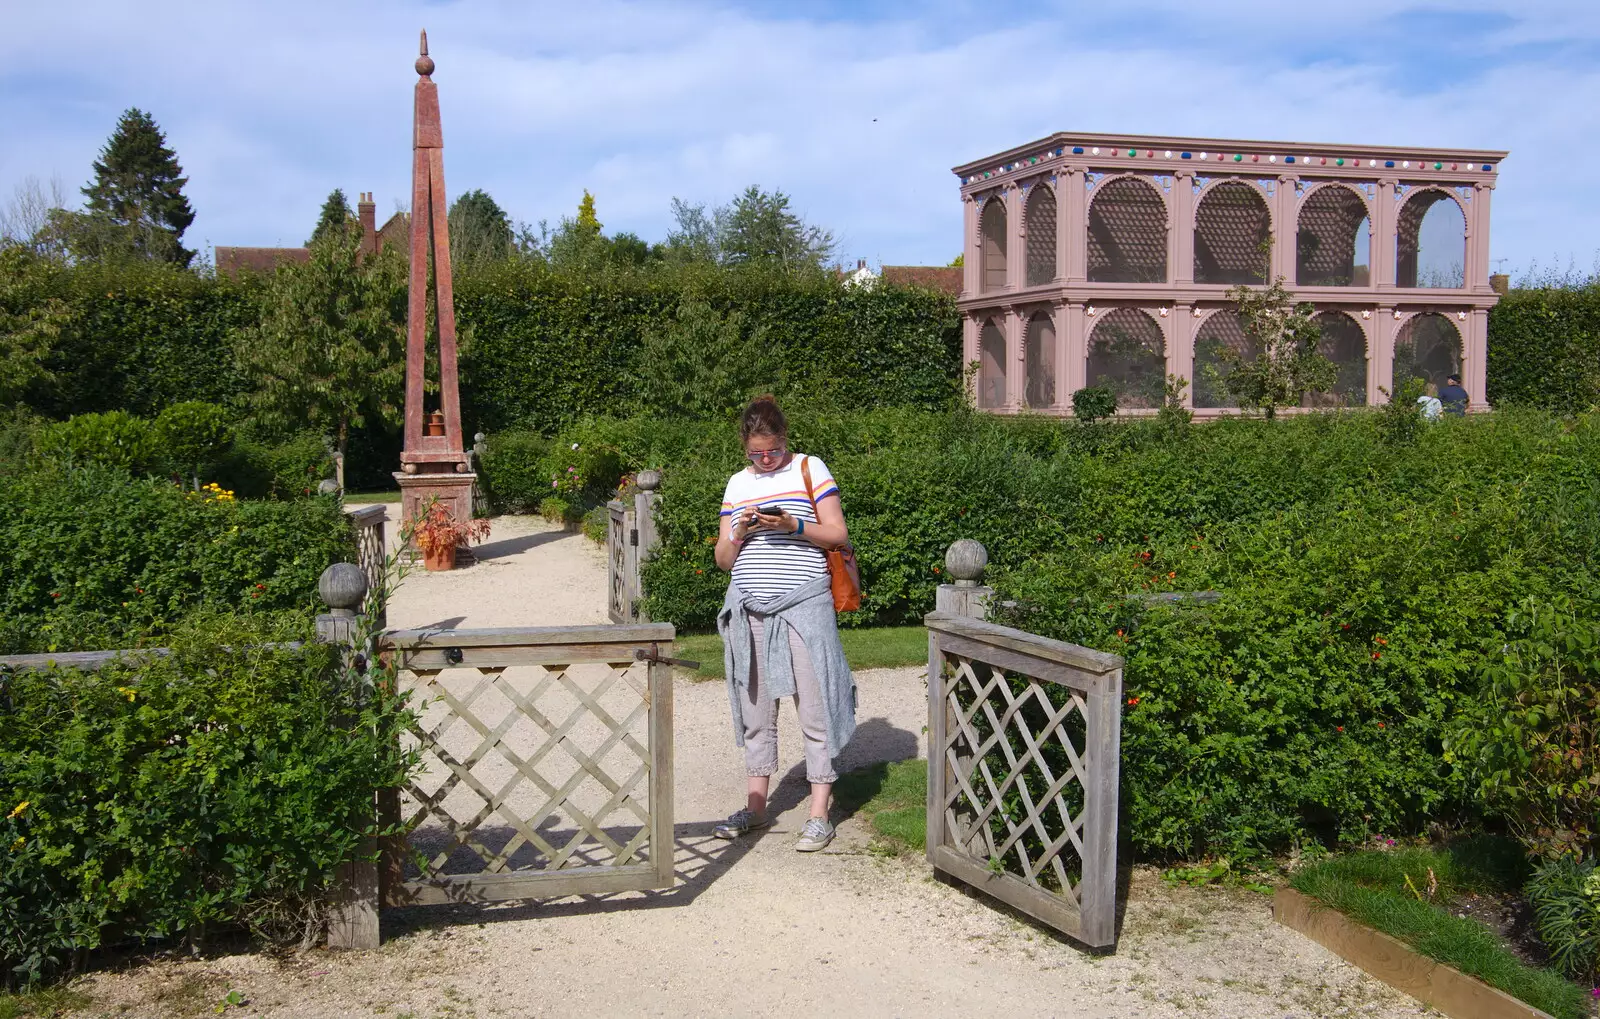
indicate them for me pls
(1453, 396)
(780, 635)
(1428, 403)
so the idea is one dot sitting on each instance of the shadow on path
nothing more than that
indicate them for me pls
(507, 547)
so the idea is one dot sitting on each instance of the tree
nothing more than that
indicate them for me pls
(704, 364)
(1288, 365)
(26, 219)
(329, 347)
(695, 239)
(758, 227)
(136, 203)
(30, 324)
(480, 231)
(335, 214)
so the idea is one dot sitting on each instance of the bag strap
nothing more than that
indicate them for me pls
(805, 475)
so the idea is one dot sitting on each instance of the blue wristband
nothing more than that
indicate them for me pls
(800, 527)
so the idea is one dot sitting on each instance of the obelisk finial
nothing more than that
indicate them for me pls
(424, 62)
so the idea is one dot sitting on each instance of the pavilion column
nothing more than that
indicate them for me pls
(1385, 230)
(1180, 361)
(1474, 358)
(1016, 240)
(1180, 229)
(1015, 354)
(1285, 230)
(1075, 367)
(1073, 210)
(1380, 365)
(971, 325)
(1063, 355)
(971, 250)
(1060, 183)
(1478, 254)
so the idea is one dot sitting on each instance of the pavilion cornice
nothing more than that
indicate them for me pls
(1163, 154)
(1152, 295)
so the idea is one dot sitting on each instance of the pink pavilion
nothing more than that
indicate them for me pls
(1106, 260)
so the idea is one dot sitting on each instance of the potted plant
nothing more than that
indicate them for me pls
(438, 534)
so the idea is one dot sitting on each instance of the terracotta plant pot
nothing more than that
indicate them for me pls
(440, 559)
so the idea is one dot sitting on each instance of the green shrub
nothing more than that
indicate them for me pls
(1565, 895)
(596, 524)
(1544, 347)
(284, 469)
(1094, 403)
(192, 438)
(1536, 741)
(94, 558)
(512, 471)
(114, 439)
(220, 786)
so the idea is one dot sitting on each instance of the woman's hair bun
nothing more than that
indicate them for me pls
(763, 417)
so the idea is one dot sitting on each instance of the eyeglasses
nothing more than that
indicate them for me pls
(764, 454)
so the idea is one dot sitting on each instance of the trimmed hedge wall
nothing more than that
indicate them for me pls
(1544, 348)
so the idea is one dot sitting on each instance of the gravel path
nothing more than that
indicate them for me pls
(754, 928)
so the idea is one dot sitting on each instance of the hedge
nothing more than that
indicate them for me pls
(178, 797)
(1544, 348)
(94, 558)
(1363, 584)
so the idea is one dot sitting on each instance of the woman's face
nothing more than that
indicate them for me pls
(767, 452)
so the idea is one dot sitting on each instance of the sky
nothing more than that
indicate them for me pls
(857, 109)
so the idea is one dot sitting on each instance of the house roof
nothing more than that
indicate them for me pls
(234, 260)
(932, 277)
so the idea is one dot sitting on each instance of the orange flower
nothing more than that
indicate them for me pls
(1382, 726)
(1377, 655)
(1132, 701)
(1339, 727)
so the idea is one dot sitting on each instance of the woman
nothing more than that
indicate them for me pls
(779, 633)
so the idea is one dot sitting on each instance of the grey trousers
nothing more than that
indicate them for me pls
(761, 713)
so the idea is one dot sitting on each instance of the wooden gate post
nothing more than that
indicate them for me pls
(353, 896)
(644, 525)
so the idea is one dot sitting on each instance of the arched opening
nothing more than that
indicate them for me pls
(1040, 221)
(1127, 233)
(1428, 348)
(1345, 344)
(1431, 242)
(1232, 236)
(991, 366)
(1223, 331)
(992, 235)
(1333, 244)
(1128, 353)
(1039, 359)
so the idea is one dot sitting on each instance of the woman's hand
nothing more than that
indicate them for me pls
(782, 522)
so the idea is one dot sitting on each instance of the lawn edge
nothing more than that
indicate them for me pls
(1447, 989)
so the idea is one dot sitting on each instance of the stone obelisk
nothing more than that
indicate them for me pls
(433, 463)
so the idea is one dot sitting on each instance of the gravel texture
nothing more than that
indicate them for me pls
(753, 927)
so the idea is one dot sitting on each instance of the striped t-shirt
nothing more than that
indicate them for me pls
(769, 563)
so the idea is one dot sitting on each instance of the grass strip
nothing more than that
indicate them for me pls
(893, 795)
(872, 647)
(362, 498)
(1370, 887)
(42, 1003)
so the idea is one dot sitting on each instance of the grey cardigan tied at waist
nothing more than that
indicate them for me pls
(809, 609)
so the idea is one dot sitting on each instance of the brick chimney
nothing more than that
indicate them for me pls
(368, 214)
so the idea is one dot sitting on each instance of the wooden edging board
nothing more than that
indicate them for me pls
(1449, 990)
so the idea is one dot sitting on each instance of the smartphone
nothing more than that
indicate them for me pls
(770, 511)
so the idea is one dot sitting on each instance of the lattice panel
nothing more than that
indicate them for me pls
(1019, 811)
(530, 769)
(370, 552)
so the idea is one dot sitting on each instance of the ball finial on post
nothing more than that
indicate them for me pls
(343, 587)
(965, 560)
(424, 62)
(648, 480)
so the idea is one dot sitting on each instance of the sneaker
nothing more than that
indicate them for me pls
(739, 823)
(815, 835)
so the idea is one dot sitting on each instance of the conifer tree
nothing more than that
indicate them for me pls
(335, 213)
(136, 203)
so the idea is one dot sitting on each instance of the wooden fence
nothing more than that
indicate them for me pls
(371, 524)
(546, 763)
(1024, 739)
(630, 537)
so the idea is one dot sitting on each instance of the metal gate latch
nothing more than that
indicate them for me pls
(654, 656)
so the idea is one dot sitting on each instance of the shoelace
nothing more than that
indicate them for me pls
(815, 828)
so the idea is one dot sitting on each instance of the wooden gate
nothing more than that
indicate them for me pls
(547, 763)
(1024, 743)
(622, 563)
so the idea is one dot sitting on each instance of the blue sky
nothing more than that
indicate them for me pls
(270, 106)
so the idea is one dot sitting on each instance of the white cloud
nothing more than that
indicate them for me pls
(271, 106)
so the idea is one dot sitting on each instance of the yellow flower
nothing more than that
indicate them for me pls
(17, 845)
(17, 810)
(128, 692)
